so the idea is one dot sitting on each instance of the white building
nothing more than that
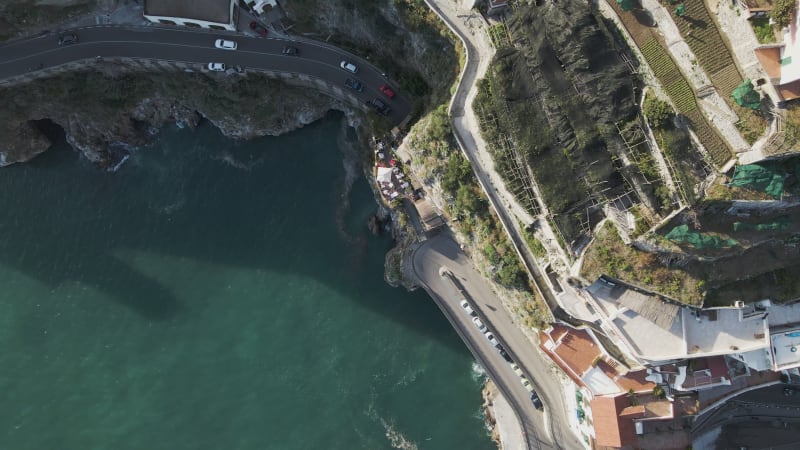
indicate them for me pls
(656, 331)
(212, 14)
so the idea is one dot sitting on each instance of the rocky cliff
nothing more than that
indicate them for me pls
(103, 111)
(105, 108)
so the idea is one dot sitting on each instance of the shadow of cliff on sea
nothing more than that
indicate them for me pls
(177, 199)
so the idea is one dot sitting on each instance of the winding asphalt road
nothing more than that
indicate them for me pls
(315, 59)
(440, 253)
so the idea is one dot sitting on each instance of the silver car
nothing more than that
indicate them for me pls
(225, 44)
(216, 67)
(348, 66)
(479, 324)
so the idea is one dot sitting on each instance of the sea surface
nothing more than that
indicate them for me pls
(214, 294)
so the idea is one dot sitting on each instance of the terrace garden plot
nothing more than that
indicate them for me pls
(549, 108)
(717, 252)
(642, 30)
(700, 32)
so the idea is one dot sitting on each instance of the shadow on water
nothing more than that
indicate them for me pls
(66, 222)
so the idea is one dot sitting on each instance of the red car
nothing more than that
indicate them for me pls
(387, 91)
(258, 28)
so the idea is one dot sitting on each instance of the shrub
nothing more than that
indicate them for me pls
(658, 112)
(782, 12)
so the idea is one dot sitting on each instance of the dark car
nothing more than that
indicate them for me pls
(387, 91)
(291, 51)
(258, 28)
(354, 84)
(537, 402)
(67, 39)
(505, 354)
(380, 107)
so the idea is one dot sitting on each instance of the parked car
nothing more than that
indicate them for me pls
(479, 324)
(290, 51)
(505, 354)
(537, 402)
(464, 304)
(491, 338)
(225, 44)
(387, 91)
(517, 370)
(527, 384)
(380, 106)
(67, 39)
(255, 26)
(216, 67)
(354, 84)
(348, 66)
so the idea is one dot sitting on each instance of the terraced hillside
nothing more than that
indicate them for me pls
(642, 30)
(700, 32)
(550, 107)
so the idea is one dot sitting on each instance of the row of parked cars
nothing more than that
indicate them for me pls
(537, 402)
(379, 105)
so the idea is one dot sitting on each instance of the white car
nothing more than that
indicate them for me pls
(464, 304)
(517, 370)
(225, 44)
(479, 324)
(491, 338)
(348, 66)
(527, 384)
(216, 67)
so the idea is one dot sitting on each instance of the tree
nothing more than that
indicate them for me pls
(783, 11)
(658, 112)
(658, 391)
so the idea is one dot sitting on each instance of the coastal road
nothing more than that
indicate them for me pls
(315, 59)
(471, 30)
(441, 251)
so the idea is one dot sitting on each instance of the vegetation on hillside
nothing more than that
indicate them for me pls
(611, 256)
(543, 119)
(783, 11)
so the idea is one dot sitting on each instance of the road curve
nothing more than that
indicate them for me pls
(467, 134)
(441, 251)
(316, 59)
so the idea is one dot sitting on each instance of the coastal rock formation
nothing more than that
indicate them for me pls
(102, 113)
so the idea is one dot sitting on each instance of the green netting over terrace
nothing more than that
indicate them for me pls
(763, 177)
(698, 240)
(625, 5)
(744, 95)
(781, 223)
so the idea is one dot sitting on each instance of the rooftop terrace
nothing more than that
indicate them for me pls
(657, 329)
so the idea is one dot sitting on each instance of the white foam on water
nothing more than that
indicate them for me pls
(396, 438)
(119, 164)
(478, 373)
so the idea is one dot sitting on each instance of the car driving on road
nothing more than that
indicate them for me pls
(67, 39)
(290, 51)
(479, 324)
(348, 66)
(354, 84)
(225, 44)
(216, 67)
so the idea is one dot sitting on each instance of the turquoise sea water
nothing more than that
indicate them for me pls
(206, 297)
